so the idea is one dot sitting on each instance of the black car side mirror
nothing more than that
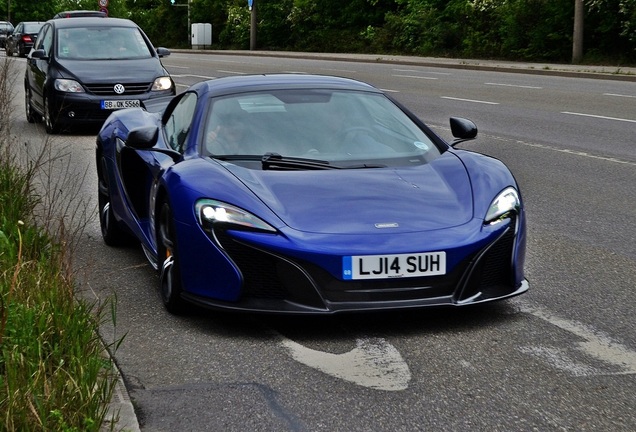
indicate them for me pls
(39, 54)
(143, 138)
(462, 129)
(163, 52)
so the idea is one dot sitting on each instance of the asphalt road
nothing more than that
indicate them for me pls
(560, 358)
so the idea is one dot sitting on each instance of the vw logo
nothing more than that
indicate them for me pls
(119, 88)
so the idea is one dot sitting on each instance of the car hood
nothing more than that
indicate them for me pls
(434, 196)
(112, 71)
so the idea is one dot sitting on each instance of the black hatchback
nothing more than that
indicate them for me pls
(82, 69)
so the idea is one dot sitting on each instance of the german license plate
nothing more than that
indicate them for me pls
(120, 104)
(393, 266)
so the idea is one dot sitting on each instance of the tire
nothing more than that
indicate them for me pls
(170, 280)
(8, 51)
(31, 115)
(51, 123)
(112, 234)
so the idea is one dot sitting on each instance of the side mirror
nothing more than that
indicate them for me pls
(143, 138)
(39, 54)
(462, 129)
(163, 52)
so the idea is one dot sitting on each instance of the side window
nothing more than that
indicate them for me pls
(45, 39)
(177, 125)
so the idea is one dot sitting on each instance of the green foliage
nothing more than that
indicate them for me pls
(539, 30)
(53, 372)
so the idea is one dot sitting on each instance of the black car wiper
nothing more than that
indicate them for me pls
(364, 165)
(276, 161)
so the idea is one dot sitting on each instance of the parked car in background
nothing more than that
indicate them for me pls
(23, 38)
(6, 28)
(80, 13)
(82, 69)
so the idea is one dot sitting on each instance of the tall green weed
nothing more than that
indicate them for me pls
(54, 375)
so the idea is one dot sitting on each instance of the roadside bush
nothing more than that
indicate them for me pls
(54, 375)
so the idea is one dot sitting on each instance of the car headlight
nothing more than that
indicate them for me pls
(68, 86)
(162, 83)
(210, 212)
(505, 203)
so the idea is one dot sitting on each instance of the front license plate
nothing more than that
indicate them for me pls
(393, 266)
(120, 104)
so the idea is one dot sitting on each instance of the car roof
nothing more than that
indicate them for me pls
(92, 22)
(79, 13)
(247, 83)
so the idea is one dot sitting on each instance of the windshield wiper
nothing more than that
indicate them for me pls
(364, 165)
(276, 161)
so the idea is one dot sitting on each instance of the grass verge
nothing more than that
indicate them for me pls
(53, 372)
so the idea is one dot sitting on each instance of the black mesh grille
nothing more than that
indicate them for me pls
(108, 89)
(486, 274)
(492, 274)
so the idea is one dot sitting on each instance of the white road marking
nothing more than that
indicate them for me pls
(558, 359)
(193, 76)
(470, 100)
(514, 85)
(599, 116)
(551, 148)
(339, 70)
(420, 71)
(415, 76)
(594, 344)
(232, 72)
(374, 363)
(618, 95)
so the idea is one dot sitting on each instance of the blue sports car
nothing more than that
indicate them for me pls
(307, 194)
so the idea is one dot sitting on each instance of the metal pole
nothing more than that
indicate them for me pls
(577, 37)
(253, 26)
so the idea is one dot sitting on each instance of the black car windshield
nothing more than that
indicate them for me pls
(340, 127)
(101, 43)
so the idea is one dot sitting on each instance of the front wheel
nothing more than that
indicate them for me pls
(170, 282)
(112, 234)
(51, 124)
(31, 116)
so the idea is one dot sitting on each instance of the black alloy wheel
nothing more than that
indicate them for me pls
(170, 281)
(112, 234)
(50, 118)
(31, 115)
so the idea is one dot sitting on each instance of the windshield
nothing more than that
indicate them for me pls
(32, 27)
(101, 43)
(329, 126)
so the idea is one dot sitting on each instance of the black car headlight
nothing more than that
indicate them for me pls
(68, 86)
(210, 212)
(162, 83)
(502, 206)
